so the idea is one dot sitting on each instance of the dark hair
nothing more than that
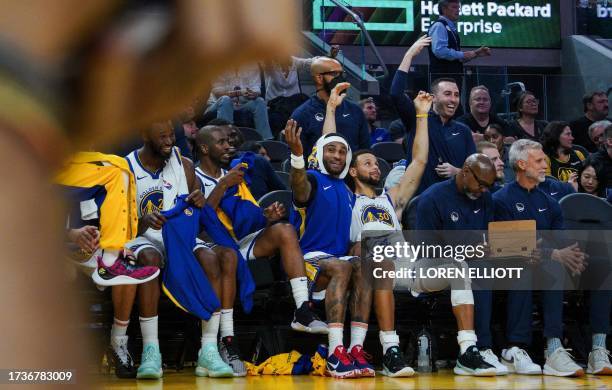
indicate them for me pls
(599, 172)
(497, 127)
(550, 137)
(218, 122)
(518, 101)
(357, 154)
(436, 82)
(588, 98)
(365, 101)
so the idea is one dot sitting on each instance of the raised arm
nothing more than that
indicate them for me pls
(335, 99)
(403, 105)
(299, 181)
(409, 183)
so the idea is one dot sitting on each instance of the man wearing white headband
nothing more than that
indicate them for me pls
(324, 204)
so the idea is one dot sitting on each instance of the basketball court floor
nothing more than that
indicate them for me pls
(444, 379)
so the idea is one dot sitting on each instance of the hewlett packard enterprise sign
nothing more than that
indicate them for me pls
(525, 24)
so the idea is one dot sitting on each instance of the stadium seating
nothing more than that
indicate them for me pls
(389, 151)
(250, 134)
(284, 177)
(283, 196)
(277, 151)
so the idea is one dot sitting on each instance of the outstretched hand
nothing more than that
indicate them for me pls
(337, 95)
(292, 137)
(418, 45)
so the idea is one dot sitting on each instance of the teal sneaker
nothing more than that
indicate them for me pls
(151, 363)
(210, 363)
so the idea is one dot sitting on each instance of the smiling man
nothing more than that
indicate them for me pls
(450, 142)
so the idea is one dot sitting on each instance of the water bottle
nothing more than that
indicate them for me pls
(424, 351)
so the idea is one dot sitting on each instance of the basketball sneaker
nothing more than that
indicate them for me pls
(340, 365)
(151, 363)
(231, 355)
(120, 359)
(305, 320)
(394, 364)
(489, 356)
(123, 271)
(361, 361)
(472, 363)
(599, 362)
(517, 360)
(210, 363)
(561, 363)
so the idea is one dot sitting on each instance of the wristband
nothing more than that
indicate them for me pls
(422, 115)
(297, 162)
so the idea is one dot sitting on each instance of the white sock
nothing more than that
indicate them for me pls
(109, 256)
(119, 329)
(210, 329)
(388, 339)
(148, 328)
(299, 286)
(335, 335)
(358, 333)
(227, 322)
(466, 338)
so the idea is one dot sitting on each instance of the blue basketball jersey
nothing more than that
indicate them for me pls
(324, 224)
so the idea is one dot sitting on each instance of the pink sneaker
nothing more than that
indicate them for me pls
(123, 271)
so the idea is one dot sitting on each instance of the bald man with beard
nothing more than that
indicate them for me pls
(350, 121)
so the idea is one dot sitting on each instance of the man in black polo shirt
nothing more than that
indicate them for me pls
(595, 109)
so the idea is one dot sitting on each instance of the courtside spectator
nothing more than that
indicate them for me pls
(494, 134)
(327, 73)
(595, 106)
(526, 125)
(604, 156)
(596, 134)
(445, 56)
(450, 142)
(490, 150)
(377, 134)
(563, 161)
(590, 178)
(397, 131)
(240, 90)
(479, 117)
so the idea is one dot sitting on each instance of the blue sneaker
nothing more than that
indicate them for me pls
(210, 363)
(361, 361)
(340, 365)
(151, 363)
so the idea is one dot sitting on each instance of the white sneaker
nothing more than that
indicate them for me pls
(599, 362)
(561, 363)
(489, 356)
(517, 360)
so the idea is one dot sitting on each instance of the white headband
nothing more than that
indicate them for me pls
(326, 140)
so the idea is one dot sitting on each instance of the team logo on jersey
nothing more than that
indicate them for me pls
(319, 117)
(520, 207)
(188, 212)
(373, 213)
(151, 201)
(454, 216)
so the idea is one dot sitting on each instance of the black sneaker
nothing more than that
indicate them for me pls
(472, 363)
(395, 365)
(305, 320)
(120, 359)
(231, 355)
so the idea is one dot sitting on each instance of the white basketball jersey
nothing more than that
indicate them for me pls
(373, 214)
(208, 183)
(150, 186)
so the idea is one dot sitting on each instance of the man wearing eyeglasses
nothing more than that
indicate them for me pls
(463, 202)
(350, 120)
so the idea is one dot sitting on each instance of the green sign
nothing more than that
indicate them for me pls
(512, 24)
